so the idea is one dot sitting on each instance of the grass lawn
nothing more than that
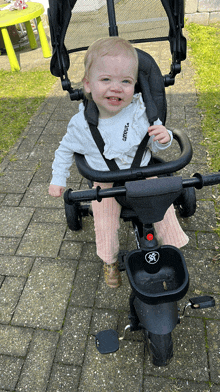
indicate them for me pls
(204, 43)
(21, 93)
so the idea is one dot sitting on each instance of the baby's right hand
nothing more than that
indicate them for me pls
(56, 190)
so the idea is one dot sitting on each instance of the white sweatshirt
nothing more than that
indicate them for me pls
(121, 133)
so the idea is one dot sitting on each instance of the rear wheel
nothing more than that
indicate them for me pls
(73, 216)
(186, 202)
(160, 348)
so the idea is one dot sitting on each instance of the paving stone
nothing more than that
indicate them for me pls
(10, 369)
(204, 217)
(160, 384)
(41, 117)
(103, 319)
(213, 336)
(2, 197)
(89, 253)
(208, 240)
(23, 165)
(42, 239)
(37, 196)
(190, 357)
(64, 378)
(52, 215)
(215, 388)
(200, 264)
(14, 221)
(43, 172)
(113, 299)
(120, 371)
(14, 182)
(37, 367)
(14, 341)
(9, 295)
(45, 297)
(71, 349)
(8, 246)
(15, 266)
(29, 141)
(47, 150)
(56, 127)
(71, 250)
(85, 285)
(12, 200)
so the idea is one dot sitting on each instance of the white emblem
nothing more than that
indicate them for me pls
(152, 257)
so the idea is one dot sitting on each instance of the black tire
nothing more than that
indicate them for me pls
(186, 202)
(160, 348)
(73, 216)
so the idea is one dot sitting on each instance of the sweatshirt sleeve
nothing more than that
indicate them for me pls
(64, 158)
(156, 146)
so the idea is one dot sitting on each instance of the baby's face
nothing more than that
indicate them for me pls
(111, 82)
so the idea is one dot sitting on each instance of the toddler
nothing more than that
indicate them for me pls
(111, 71)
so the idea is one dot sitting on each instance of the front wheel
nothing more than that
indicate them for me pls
(160, 348)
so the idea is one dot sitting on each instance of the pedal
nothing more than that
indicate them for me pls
(204, 301)
(107, 341)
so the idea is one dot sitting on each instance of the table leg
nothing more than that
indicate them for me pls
(10, 50)
(31, 37)
(43, 39)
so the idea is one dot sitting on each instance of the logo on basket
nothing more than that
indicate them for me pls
(152, 257)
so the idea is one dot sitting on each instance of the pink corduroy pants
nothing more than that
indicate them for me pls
(107, 222)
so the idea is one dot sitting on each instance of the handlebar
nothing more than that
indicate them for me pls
(142, 172)
(197, 181)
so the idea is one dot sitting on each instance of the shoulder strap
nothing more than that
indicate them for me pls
(112, 165)
(140, 151)
(91, 115)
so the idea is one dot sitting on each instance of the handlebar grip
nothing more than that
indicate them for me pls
(198, 180)
(211, 179)
(71, 197)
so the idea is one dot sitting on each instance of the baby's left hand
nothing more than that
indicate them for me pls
(160, 133)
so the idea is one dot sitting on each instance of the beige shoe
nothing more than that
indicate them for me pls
(112, 275)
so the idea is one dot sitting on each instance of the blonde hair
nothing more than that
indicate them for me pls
(108, 46)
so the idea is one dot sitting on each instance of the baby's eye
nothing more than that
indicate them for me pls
(105, 80)
(126, 81)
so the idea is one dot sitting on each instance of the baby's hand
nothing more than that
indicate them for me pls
(56, 190)
(160, 133)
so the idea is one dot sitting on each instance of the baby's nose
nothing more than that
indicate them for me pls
(116, 86)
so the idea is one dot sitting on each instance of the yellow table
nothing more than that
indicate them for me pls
(10, 18)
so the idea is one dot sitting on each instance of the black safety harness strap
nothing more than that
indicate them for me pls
(112, 165)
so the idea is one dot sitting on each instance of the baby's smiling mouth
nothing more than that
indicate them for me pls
(114, 98)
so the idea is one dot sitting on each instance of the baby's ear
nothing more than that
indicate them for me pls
(86, 84)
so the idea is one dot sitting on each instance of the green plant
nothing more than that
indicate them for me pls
(204, 44)
(21, 93)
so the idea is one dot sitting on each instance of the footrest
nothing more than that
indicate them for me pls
(107, 341)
